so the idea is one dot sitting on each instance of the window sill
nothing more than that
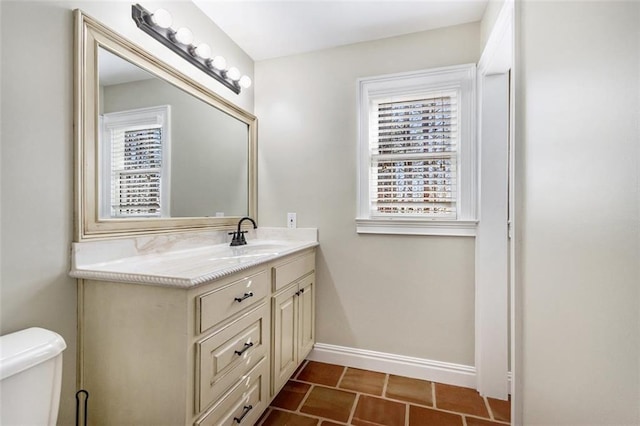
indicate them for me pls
(454, 228)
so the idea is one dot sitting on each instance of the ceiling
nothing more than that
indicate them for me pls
(116, 70)
(267, 29)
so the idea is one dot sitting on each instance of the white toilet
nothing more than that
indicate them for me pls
(30, 377)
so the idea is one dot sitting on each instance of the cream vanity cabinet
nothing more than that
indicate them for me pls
(293, 313)
(213, 354)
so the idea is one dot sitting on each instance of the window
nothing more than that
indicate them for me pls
(417, 153)
(135, 166)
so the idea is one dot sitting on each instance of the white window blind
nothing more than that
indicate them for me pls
(417, 152)
(136, 170)
(414, 157)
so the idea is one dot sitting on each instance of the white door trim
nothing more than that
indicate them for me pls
(491, 346)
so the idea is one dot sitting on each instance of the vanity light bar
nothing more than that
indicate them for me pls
(158, 26)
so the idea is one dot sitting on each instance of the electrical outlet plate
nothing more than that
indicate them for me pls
(291, 220)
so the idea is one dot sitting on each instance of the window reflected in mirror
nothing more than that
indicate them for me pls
(135, 163)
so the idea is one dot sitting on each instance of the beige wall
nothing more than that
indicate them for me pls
(578, 211)
(37, 166)
(407, 295)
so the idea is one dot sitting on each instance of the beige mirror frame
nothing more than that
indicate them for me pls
(90, 35)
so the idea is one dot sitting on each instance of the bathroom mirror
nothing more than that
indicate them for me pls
(155, 150)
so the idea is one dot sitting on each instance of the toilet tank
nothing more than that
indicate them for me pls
(30, 377)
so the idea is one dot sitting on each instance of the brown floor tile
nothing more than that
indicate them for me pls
(410, 390)
(461, 400)
(501, 409)
(472, 421)
(420, 416)
(281, 418)
(378, 411)
(329, 403)
(263, 416)
(321, 373)
(363, 381)
(291, 395)
(329, 392)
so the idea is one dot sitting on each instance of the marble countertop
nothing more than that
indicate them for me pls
(183, 260)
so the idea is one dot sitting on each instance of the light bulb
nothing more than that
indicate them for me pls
(183, 35)
(245, 82)
(233, 73)
(203, 51)
(161, 18)
(219, 63)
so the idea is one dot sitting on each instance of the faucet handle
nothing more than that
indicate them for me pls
(234, 238)
(238, 238)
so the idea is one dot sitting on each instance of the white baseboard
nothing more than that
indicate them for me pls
(418, 368)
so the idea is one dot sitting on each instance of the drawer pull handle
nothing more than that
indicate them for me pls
(245, 411)
(246, 347)
(299, 292)
(246, 296)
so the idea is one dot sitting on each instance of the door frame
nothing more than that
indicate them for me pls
(498, 57)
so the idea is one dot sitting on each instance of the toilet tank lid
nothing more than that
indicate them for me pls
(26, 348)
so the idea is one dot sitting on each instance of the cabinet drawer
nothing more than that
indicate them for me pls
(288, 272)
(230, 299)
(244, 404)
(229, 353)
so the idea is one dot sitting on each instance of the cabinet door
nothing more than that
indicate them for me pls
(306, 316)
(285, 336)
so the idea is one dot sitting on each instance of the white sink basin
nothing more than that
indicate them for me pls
(220, 252)
(261, 247)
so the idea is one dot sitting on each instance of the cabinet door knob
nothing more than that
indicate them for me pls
(246, 347)
(245, 411)
(246, 296)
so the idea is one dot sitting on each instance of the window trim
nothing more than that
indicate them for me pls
(461, 78)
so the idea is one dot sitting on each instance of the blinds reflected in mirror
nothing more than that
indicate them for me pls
(136, 169)
(414, 156)
(135, 163)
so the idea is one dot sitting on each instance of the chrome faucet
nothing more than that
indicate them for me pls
(238, 236)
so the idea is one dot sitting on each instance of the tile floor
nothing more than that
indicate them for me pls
(321, 394)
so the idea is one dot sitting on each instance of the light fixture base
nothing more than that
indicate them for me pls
(142, 18)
